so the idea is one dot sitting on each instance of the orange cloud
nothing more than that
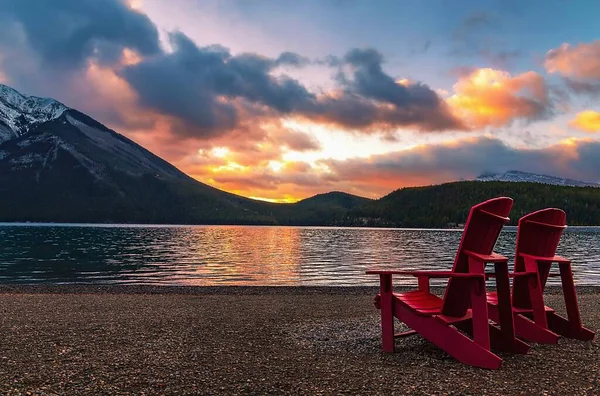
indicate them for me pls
(489, 97)
(580, 61)
(587, 120)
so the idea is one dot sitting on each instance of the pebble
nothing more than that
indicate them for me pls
(80, 340)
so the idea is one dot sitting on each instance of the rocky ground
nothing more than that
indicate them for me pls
(252, 340)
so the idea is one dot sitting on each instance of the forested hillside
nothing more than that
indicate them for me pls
(437, 206)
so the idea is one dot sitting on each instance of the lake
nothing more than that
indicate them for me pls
(245, 255)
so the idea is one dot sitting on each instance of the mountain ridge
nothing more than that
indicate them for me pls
(60, 165)
(520, 176)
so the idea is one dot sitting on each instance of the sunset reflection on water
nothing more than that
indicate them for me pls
(245, 255)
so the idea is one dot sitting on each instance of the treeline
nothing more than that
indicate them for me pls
(121, 198)
(449, 203)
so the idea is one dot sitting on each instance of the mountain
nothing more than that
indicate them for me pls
(322, 209)
(57, 164)
(518, 176)
(19, 113)
(449, 203)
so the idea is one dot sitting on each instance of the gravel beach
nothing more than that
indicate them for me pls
(253, 340)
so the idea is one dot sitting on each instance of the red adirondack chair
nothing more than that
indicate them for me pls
(538, 236)
(464, 305)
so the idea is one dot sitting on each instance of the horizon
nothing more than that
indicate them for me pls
(298, 99)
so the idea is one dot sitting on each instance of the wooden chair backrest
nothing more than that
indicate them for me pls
(538, 235)
(482, 228)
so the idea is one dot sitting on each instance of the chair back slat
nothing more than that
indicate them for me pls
(538, 234)
(482, 228)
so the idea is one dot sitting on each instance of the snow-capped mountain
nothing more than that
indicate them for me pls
(518, 176)
(19, 113)
(58, 164)
(34, 130)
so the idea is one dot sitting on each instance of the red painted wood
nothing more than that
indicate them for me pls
(423, 283)
(487, 258)
(563, 327)
(482, 228)
(447, 338)
(538, 236)
(536, 299)
(507, 338)
(406, 334)
(387, 312)
(430, 274)
(464, 304)
(524, 327)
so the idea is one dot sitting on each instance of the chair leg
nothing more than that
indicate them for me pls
(506, 339)
(387, 313)
(531, 331)
(498, 339)
(501, 343)
(525, 329)
(565, 327)
(536, 295)
(571, 327)
(449, 339)
(481, 331)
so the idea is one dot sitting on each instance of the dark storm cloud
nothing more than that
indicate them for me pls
(371, 96)
(591, 88)
(211, 89)
(65, 33)
(292, 59)
(370, 81)
(206, 91)
(200, 86)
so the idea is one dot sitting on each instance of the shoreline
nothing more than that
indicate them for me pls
(231, 290)
(509, 227)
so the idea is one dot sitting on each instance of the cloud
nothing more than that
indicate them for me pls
(580, 61)
(201, 92)
(65, 34)
(292, 59)
(211, 91)
(298, 141)
(369, 98)
(588, 121)
(579, 66)
(489, 97)
(466, 159)
(583, 87)
(69, 49)
(479, 34)
(378, 175)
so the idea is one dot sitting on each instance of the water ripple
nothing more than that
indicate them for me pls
(245, 255)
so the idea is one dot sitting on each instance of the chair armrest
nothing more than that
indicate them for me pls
(429, 274)
(554, 259)
(488, 258)
(515, 275)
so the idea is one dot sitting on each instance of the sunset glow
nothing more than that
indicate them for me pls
(270, 102)
(587, 120)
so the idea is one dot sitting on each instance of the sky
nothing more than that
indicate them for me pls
(282, 100)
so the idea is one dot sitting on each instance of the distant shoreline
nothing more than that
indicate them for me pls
(154, 225)
(149, 225)
(229, 290)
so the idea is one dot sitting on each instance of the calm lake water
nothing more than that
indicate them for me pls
(245, 255)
